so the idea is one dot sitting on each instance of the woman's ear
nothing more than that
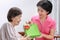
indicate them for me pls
(47, 12)
(12, 19)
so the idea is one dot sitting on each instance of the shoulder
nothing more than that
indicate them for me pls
(5, 25)
(51, 20)
(35, 17)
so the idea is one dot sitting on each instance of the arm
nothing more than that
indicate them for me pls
(50, 36)
(11, 32)
(52, 31)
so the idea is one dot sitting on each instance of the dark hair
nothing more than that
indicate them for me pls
(46, 5)
(13, 12)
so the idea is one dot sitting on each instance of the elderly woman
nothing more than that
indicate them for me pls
(7, 31)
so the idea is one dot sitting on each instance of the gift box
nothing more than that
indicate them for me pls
(32, 31)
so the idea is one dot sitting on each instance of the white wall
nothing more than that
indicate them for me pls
(55, 13)
(28, 8)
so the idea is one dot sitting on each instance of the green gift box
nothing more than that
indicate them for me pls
(32, 31)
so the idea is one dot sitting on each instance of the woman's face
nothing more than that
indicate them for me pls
(16, 19)
(42, 13)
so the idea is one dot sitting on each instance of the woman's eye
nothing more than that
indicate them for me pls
(41, 10)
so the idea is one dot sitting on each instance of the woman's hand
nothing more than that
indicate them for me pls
(40, 36)
(50, 36)
(23, 38)
(29, 38)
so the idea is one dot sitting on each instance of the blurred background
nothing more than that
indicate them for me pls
(29, 9)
